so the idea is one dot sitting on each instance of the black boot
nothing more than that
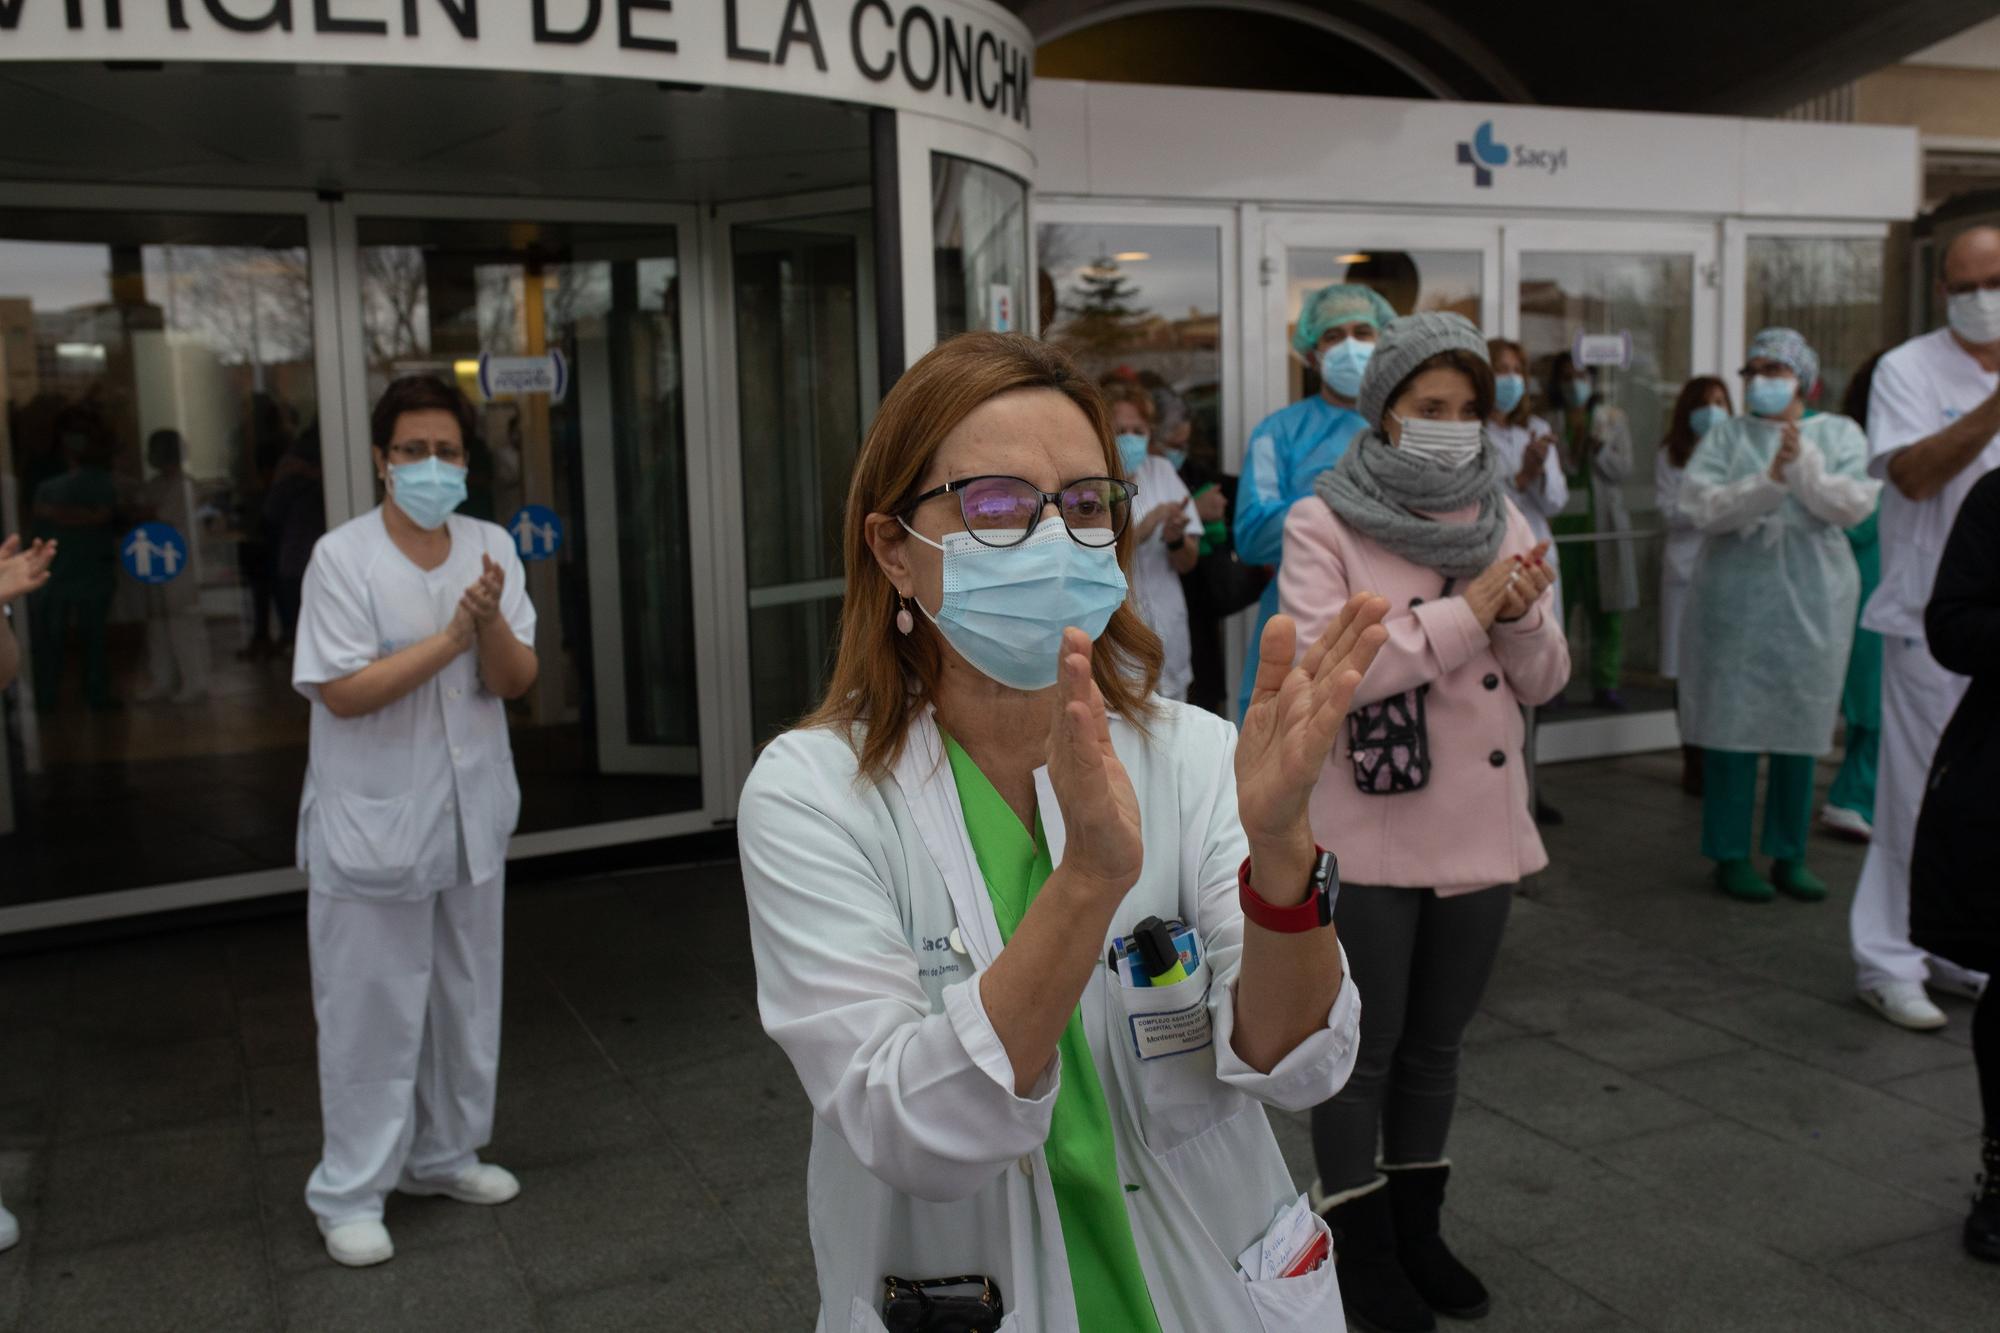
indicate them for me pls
(1416, 1197)
(1982, 1225)
(1373, 1287)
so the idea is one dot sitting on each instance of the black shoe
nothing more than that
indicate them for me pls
(1982, 1225)
(1374, 1289)
(1416, 1198)
(1547, 815)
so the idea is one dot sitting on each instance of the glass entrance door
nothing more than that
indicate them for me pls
(567, 336)
(801, 325)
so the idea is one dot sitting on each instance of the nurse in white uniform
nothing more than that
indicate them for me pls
(938, 859)
(1933, 432)
(1166, 532)
(414, 626)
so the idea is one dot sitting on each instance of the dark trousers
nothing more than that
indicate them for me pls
(1421, 963)
(1986, 1055)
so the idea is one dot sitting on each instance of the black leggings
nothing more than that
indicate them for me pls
(1986, 1054)
(1421, 964)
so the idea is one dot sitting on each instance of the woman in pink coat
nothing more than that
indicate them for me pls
(1426, 795)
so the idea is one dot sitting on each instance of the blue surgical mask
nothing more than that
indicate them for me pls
(1508, 391)
(1770, 395)
(1178, 457)
(1132, 453)
(1579, 392)
(1342, 365)
(427, 491)
(1005, 607)
(1706, 418)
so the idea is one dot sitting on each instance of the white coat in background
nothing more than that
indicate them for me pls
(1611, 464)
(924, 1161)
(1544, 499)
(1156, 588)
(1919, 388)
(1677, 560)
(403, 833)
(1770, 616)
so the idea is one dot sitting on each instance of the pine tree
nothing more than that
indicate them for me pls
(1104, 309)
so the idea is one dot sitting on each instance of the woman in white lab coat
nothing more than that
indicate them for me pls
(1702, 406)
(414, 625)
(1166, 534)
(938, 860)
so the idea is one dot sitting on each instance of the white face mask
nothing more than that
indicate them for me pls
(1450, 444)
(1975, 316)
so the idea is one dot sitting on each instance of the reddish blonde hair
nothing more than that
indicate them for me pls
(881, 679)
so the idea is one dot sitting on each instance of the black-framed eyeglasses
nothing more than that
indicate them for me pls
(1002, 511)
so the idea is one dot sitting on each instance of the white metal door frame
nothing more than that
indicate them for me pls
(709, 527)
(1610, 236)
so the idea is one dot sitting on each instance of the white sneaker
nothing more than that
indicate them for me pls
(1850, 824)
(359, 1244)
(482, 1182)
(10, 1230)
(1905, 1004)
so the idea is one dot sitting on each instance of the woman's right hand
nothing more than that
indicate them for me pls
(1100, 811)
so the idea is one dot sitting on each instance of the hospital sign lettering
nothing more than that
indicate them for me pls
(1485, 154)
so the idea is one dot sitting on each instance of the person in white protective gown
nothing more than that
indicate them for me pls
(1010, 1114)
(1770, 614)
(414, 626)
(22, 570)
(1933, 432)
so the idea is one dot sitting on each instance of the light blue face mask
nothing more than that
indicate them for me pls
(1342, 365)
(1770, 395)
(427, 491)
(1005, 608)
(1706, 418)
(1178, 457)
(1131, 452)
(1579, 392)
(1508, 391)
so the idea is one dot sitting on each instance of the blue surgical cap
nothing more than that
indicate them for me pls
(1342, 303)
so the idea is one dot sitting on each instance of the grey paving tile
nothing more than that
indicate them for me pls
(743, 1130)
(284, 1107)
(113, 1188)
(1952, 1091)
(170, 988)
(269, 957)
(539, 1120)
(1942, 1173)
(1511, 1181)
(1931, 1279)
(1601, 1023)
(649, 1027)
(35, 988)
(1568, 1097)
(617, 1218)
(1528, 1298)
(1844, 1039)
(277, 1028)
(1799, 1103)
(470, 1286)
(184, 1278)
(708, 1296)
(1664, 1271)
(30, 1055)
(119, 1087)
(1788, 1197)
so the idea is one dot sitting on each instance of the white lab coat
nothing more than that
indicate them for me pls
(1545, 498)
(1677, 563)
(924, 1161)
(403, 836)
(1156, 588)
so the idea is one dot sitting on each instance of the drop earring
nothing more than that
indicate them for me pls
(904, 621)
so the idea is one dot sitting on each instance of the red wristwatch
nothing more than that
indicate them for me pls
(1314, 912)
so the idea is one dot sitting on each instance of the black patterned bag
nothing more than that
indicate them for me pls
(1389, 742)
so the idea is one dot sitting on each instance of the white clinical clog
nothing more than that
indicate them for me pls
(359, 1244)
(482, 1182)
(1905, 1004)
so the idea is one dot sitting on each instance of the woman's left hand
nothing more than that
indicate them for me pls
(1294, 718)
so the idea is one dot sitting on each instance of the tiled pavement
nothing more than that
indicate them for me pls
(1676, 1118)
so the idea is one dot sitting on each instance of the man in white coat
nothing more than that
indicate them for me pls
(414, 626)
(1933, 431)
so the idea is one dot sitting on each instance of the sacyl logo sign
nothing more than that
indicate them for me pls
(1486, 155)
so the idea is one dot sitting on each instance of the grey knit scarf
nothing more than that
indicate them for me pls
(1376, 488)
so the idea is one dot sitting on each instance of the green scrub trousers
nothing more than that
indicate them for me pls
(1104, 1271)
(1729, 805)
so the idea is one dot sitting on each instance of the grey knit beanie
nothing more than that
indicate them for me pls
(1404, 345)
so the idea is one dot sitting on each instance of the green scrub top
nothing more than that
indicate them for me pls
(1104, 1272)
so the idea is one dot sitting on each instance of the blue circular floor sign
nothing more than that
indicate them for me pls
(153, 552)
(537, 532)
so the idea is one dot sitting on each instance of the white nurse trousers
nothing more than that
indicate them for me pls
(1918, 698)
(407, 995)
